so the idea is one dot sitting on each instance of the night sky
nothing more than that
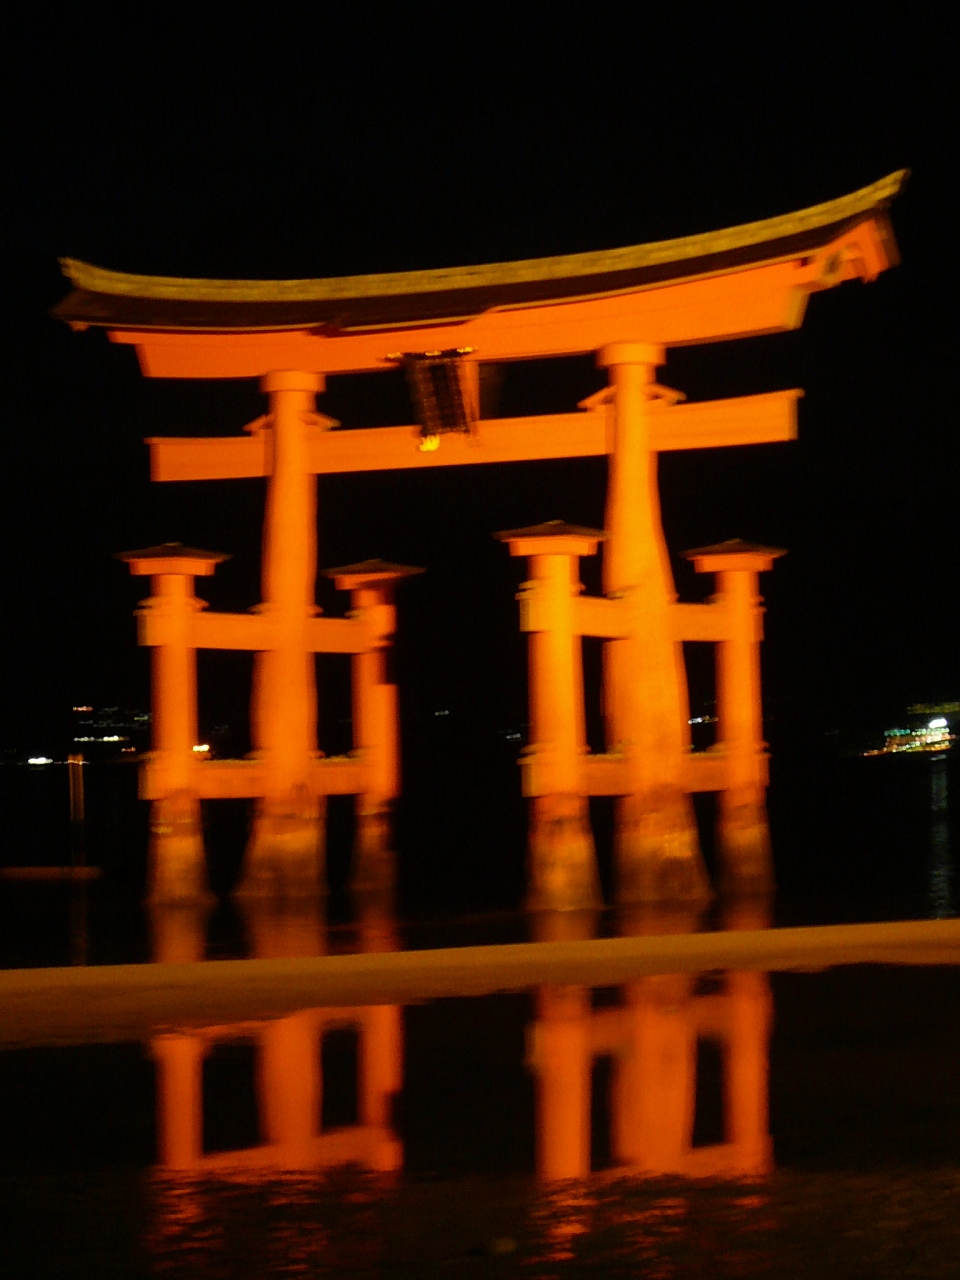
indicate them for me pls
(349, 141)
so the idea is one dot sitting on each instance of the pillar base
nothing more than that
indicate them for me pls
(377, 921)
(564, 926)
(278, 928)
(178, 931)
(286, 852)
(374, 868)
(562, 860)
(176, 860)
(657, 850)
(657, 919)
(743, 842)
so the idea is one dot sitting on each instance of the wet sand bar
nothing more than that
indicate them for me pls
(124, 1002)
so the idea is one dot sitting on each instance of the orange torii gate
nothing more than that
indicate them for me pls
(626, 305)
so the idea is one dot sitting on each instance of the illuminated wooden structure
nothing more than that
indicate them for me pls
(626, 305)
(376, 719)
(285, 853)
(734, 620)
(559, 772)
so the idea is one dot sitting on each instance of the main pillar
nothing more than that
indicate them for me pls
(656, 848)
(285, 853)
(561, 1059)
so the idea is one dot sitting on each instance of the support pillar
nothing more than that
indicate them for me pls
(177, 871)
(376, 720)
(288, 1073)
(563, 868)
(654, 1078)
(561, 1058)
(747, 1071)
(285, 853)
(656, 847)
(654, 1086)
(747, 1058)
(289, 1083)
(381, 1079)
(178, 932)
(742, 827)
(179, 1065)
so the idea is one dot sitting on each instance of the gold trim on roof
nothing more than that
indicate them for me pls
(566, 266)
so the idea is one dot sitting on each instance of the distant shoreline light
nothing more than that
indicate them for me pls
(935, 735)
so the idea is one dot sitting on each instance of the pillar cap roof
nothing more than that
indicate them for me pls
(735, 553)
(553, 537)
(172, 558)
(369, 572)
(551, 529)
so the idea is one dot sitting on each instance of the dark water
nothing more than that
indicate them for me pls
(853, 839)
(864, 1116)
(819, 1136)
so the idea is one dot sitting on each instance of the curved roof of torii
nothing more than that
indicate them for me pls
(118, 300)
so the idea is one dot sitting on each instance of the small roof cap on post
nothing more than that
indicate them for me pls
(552, 538)
(734, 554)
(172, 558)
(369, 573)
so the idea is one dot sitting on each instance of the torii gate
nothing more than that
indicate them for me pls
(626, 305)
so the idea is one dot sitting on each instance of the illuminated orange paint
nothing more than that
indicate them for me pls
(176, 776)
(743, 832)
(625, 305)
(376, 719)
(562, 871)
(288, 1076)
(177, 863)
(652, 1037)
(645, 695)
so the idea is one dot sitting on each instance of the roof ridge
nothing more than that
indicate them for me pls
(99, 280)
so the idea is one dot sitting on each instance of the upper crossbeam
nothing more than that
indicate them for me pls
(760, 419)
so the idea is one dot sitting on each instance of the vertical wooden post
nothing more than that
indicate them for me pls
(560, 1056)
(563, 871)
(381, 1079)
(653, 1089)
(654, 1086)
(179, 1065)
(285, 852)
(657, 854)
(747, 1058)
(742, 828)
(376, 719)
(178, 931)
(289, 1079)
(289, 1087)
(746, 1072)
(177, 864)
(380, 1056)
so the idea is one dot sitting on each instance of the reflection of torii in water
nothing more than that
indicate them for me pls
(652, 1038)
(287, 1050)
(626, 305)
